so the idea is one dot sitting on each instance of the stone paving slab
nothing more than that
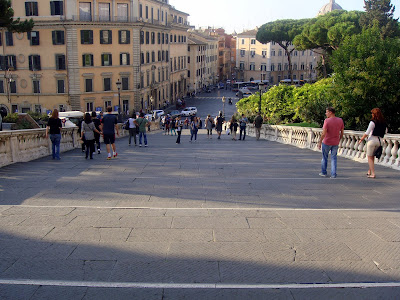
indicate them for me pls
(211, 212)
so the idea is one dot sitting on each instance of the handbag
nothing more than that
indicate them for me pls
(379, 150)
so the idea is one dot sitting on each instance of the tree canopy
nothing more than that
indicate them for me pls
(380, 13)
(7, 19)
(367, 70)
(281, 32)
(324, 34)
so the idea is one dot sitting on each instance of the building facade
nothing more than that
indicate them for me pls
(268, 62)
(78, 51)
(202, 61)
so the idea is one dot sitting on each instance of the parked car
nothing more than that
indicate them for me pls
(189, 111)
(158, 113)
(71, 118)
(174, 113)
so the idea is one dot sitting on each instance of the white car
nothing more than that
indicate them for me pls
(157, 113)
(189, 111)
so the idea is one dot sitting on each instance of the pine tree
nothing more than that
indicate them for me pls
(7, 19)
(380, 12)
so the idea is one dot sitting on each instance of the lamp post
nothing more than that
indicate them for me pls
(223, 106)
(260, 88)
(119, 83)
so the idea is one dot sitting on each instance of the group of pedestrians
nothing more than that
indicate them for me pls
(137, 126)
(333, 130)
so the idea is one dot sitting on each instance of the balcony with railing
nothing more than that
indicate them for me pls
(102, 18)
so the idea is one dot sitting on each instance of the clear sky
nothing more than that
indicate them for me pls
(239, 15)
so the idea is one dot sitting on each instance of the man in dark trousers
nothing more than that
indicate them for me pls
(109, 127)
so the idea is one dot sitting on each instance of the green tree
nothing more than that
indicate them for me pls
(380, 12)
(311, 100)
(324, 34)
(281, 32)
(7, 19)
(367, 70)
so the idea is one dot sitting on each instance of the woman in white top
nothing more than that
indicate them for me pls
(376, 130)
(132, 128)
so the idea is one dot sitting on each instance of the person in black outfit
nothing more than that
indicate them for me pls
(96, 123)
(54, 125)
(79, 132)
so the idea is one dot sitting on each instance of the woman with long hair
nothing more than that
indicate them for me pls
(54, 125)
(376, 130)
(209, 122)
(88, 129)
(132, 128)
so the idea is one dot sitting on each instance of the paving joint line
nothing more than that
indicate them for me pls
(207, 208)
(161, 285)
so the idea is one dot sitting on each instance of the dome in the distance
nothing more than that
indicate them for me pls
(327, 8)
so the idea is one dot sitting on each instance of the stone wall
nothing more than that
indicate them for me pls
(26, 145)
(308, 138)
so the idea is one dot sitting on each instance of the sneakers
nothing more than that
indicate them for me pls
(145, 145)
(322, 175)
(108, 157)
(98, 151)
(140, 145)
(115, 154)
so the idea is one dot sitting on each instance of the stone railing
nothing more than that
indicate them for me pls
(308, 138)
(25, 145)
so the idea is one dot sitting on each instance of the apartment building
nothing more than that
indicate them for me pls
(202, 60)
(178, 62)
(268, 62)
(79, 50)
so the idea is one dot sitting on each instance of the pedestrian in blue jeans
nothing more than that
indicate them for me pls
(141, 123)
(54, 125)
(332, 133)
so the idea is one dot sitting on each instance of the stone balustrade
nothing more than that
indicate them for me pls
(25, 145)
(349, 147)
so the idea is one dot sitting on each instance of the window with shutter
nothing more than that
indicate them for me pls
(60, 86)
(31, 8)
(88, 85)
(1, 86)
(33, 36)
(9, 38)
(87, 60)
(142, 37)
(125, 83)
(3, 63)
(36, 86)
(105, 37)
(107, 84)
(106, 59)
(56, 8)
(34, 63)
(58, 37)
(12, 62)
(87, 37)
(60, 62)
(124, 36)
(124, 59)
(13, 87)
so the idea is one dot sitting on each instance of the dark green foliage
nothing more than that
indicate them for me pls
(367, 72)
(325, 34)
(7, 19)
(380, 13)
